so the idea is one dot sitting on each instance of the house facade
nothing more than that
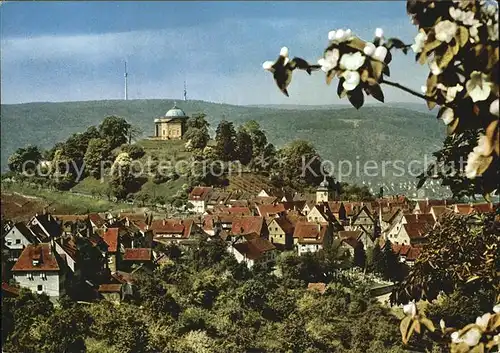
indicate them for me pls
(40, 269)
(16, 239)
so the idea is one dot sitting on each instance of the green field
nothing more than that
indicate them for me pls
(62, 202)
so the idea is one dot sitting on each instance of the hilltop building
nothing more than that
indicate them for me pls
(172, 126)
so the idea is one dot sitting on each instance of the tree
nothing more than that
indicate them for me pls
(198, 137)
(461, 255)
(115, 130)
(300, 164)
(24, 159)
(98, 152)
(458, 41)
(244, 146)
(359, 255)
(134, 151)
(259, 139)
(121, 176)
(225, 137)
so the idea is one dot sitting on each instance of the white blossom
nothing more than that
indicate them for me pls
(445, 31)
(478, 86)
(353, 61)
(267, 65)
(380, 53)
(455, 337)
(369, 49)
(472, 337)
(451, 92)
(477, 158)
(340, 35)
(420, 39)
(330, 60)
(410, 309)
(482, 146)
(442, 324)
(482, 321)
(352, 79)
(379, 33)
(448, 116)
(284, 52)
(494, 111)
(466, 17)
(496, 308)
(492, 30)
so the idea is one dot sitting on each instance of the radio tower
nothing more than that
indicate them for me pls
(126, 83)
(185, 92)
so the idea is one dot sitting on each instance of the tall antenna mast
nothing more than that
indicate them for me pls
(126, 83)
(185, 91)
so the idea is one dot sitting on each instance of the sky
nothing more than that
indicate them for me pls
(73, 51)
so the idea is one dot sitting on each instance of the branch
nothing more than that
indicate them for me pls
(406, 89)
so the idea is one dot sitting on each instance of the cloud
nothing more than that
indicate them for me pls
(220, 60)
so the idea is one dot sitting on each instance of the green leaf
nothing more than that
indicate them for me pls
(376, 92)
(356, 98)
(403, 327)
(427, 323)
(340, 89)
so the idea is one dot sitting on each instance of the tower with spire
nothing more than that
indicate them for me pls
(323, 191)
(126, 82)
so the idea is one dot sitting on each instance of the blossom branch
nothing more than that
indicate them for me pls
(406, 89)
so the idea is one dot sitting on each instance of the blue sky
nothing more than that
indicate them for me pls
(67, 51)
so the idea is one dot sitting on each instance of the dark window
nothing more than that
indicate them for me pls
(39, 288)
(18, 241)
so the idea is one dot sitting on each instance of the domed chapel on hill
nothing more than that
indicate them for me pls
(172, 126)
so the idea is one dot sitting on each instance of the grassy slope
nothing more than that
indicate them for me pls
(373, 132)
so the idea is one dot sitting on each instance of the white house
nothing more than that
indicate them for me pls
(310, 237)
(198, 197)
(40, 269)
(252, 251)
(17, 238)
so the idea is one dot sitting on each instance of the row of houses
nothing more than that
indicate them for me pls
(50, 253)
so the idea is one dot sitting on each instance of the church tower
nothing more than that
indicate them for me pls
(322, 192)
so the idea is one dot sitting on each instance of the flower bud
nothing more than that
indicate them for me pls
(369, 49)
(379, 33)
(380, 53)
(284, 52)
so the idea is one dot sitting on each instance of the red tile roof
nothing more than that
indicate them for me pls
(416, 230)
(248, 224)
(254, 248)
(110, 236)
(137, 254)
(239, 211)
(164, 227)
(309, 232)
(350, 236)
(270, 209)
(285, 224)
(200, 193)
(426, 218)
(483, 207)
(42, 253)
(10, 289)
(97, 220)
(410, 253)
(110, 288)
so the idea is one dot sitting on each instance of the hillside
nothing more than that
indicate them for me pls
(378, 133)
